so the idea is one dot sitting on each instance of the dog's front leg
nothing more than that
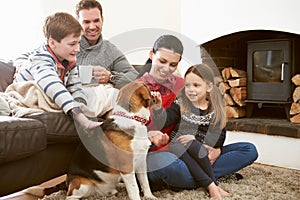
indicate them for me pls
(131, 186)
(143, 180)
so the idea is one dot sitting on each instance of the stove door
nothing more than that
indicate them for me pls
(269, 70)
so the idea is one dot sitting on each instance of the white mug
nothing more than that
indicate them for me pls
(85, 73)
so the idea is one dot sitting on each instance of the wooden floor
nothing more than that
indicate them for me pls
(21, 196)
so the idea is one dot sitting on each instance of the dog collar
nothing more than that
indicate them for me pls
(135, 117)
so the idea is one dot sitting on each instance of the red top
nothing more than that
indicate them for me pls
(168, 90)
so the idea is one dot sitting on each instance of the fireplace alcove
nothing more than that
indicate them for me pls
(233, 50)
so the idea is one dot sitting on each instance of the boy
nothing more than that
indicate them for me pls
(53, 66)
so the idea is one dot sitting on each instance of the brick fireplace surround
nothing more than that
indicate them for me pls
(231, 51)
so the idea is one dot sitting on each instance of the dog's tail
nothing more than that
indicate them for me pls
(42, 191)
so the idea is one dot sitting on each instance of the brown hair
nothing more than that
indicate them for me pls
(215, 97)
(60, 25)
(88, 4)
(169, 42)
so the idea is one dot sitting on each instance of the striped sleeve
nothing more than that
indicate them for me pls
(43, 69)
(73, 84)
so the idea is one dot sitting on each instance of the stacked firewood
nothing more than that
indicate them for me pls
(295, 107)
(235, 91)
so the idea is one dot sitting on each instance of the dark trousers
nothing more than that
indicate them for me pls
(195, 157)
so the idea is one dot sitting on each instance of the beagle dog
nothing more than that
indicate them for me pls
(117, 152)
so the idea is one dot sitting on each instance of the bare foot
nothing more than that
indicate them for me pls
(223, 192)
(214, 192)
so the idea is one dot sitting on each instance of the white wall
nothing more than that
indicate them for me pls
(199, 20)
(22, 24)
(272, 150)
(210, 19)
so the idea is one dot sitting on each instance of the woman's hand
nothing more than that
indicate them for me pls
(158, 138)
(157, 100)
(185, 139)
(213, 154)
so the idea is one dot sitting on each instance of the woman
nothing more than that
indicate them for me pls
(165, 168)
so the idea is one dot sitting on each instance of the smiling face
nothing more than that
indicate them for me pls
(91, 22)
(196, 90)
(67, 48)
(164, 64)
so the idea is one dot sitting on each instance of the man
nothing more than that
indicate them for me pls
(110, 65)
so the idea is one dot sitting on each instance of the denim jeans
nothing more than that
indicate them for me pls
(166, 168)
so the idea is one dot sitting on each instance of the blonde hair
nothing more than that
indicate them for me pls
(215, 97)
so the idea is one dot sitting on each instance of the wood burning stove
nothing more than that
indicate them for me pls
(269, 72)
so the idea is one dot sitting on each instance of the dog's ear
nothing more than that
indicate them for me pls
(146, 97)
(127, 97)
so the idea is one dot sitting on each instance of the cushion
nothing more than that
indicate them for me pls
(20, 137)
(6, 75)
(60, 128)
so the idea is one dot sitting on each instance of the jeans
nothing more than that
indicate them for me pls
(166, 168)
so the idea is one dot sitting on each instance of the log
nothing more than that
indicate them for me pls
(235, 112)
(238, 82)
(295, 118)
(296, 94)
(220, 83)
(228, 100)
(295, 108)
(296, 79)
(226, 73)
(237, 73)
(224, 87)
(239, 95)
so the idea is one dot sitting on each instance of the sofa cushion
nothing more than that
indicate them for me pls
(20, 137)
(6, 75)
(60, 127)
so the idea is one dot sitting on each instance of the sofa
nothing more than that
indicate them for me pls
(35, 148)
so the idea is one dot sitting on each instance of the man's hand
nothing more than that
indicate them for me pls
(158, 138)
(213, 153)
(100, 74)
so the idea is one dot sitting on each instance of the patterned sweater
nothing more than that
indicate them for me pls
(59, 81)
(197, 123)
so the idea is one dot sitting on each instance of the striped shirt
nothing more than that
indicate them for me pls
(42, 67)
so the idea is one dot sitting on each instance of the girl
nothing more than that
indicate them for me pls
(200, 118)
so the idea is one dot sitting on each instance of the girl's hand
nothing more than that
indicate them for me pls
(185, 139)
(213, 154)
(157, 100)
